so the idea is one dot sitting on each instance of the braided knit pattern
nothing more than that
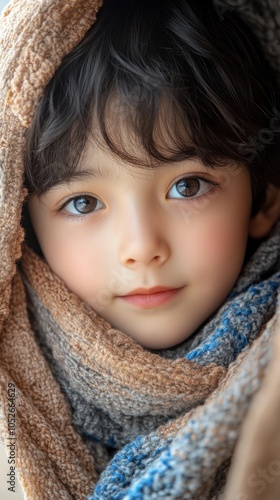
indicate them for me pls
(96, 413)
(175, 445)
(263, 17)
(184, 464)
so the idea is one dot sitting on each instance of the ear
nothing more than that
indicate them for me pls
(262, 223)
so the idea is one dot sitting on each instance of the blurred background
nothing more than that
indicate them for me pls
(3, 3)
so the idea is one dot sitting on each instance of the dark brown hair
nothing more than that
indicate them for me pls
(220, 90)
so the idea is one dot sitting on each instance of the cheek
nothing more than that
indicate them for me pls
(225, 251)
(216, 246)
(78, 261)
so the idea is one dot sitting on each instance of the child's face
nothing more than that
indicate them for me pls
(145, 229)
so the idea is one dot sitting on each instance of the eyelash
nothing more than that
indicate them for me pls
(214, 186)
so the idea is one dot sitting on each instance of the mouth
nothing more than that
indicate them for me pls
(151, 297)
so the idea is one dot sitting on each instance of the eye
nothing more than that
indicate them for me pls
(190, 187)
(84, 205)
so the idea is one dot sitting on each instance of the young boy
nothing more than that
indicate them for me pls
(168, 205)
(151, 255)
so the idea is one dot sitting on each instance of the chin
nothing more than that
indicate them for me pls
(160, 344)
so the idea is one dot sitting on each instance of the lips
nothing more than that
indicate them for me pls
(149, 291)
(147, 298)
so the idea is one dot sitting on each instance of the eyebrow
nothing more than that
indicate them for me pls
(99, 173)
(83, 174)
(86, 174)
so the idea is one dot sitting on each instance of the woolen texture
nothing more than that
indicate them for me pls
(122, 394)
(90, 400)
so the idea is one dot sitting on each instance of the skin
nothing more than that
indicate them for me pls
(140, 230)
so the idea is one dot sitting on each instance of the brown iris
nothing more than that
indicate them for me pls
(85, 204)
(188, 187)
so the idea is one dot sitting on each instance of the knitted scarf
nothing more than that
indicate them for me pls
(122, 394)
(94, 412)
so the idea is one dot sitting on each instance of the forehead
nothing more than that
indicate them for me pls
(101, 166)
(123, 125)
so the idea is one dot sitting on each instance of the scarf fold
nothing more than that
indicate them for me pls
(123, 394)
(116, 388)
(85, 393)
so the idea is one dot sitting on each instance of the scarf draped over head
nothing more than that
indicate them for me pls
(94, 412)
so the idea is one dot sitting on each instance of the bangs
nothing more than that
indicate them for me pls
(160, 83)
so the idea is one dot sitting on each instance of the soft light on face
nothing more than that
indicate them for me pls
(179, 226)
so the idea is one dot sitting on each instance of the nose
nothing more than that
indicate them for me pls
(143, 238)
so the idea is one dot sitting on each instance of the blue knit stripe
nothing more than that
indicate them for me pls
(129, 464)
(137, 470)
(151, 468)
(240, 323)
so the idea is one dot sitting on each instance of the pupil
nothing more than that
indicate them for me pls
(84, 204)
(188, 187)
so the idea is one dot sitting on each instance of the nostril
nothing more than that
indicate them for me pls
(130, 261)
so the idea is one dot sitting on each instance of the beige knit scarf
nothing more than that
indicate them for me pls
(34, 37)
(111, 371)
(52, 459)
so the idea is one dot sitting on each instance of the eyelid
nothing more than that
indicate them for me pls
(196, 198)
(197, 175)
(67, 214)
(74, 197)
(200, 176)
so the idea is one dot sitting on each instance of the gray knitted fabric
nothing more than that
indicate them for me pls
(97, 414)
(190, 458)
(263, 18)
(178, 459)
